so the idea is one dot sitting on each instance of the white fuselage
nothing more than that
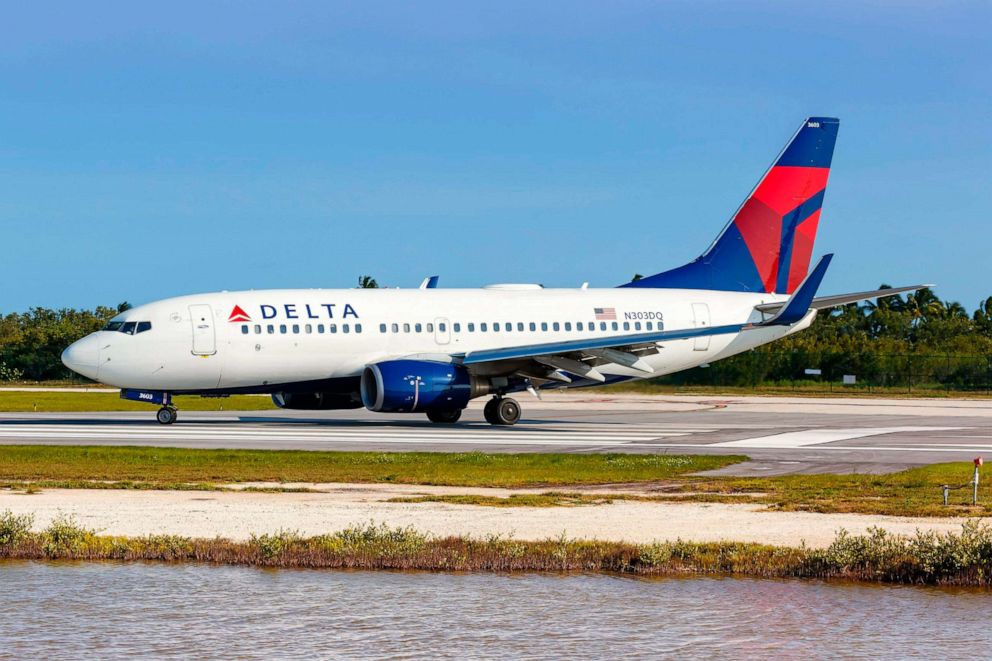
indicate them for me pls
(204, 343)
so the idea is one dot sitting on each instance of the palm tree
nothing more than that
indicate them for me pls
(367, 282)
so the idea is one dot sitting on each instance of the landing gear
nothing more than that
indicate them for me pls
(166, 415)
(446, 416)
(502, 411)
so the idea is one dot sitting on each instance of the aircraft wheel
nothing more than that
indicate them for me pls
(507, 411)
(166, 415)
(444, 416)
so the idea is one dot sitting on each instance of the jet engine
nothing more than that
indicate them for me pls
(408, 386)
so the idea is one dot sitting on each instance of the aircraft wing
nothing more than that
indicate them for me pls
(581, 357)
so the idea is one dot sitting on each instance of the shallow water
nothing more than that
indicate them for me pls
(110, 610)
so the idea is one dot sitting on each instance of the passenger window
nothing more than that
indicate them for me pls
(592, 326)
(382, 328)
(113, 326)
(616, 326)
(143, 326)
(508, 327)
(345, 328)
(406, 328)
(396, 328)
(442, 327)
(320, 328)
(637, 325)
(626, 325)
(244, 329)
(296, 329)
(457, 327)
(578, 325)
(430, 328)
(520, 325)
(602, 325)
(308, 329)
(495, 326)
(556, 326)
(272, 329)
(533, 326)
(358, 328)
(650, 325)
(258, 329)
(471, 327)
(282, 328)
(419, 328)
(568, 325)
(544, 325)
(333, 328)
(128, 327)
(483, 328)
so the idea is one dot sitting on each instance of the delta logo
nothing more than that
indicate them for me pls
(237, 314)
(296, 311)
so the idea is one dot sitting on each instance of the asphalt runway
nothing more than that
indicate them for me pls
(780, 435)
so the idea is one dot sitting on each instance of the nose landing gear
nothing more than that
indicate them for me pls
(166, 415)
(502, 411)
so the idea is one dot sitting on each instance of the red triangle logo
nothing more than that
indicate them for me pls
(237, 314)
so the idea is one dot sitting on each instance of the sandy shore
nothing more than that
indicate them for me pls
(239, 515)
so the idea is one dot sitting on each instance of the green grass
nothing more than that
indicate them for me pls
(547, 499)
(913, 492)
(177, 465)
(46, 401)
(804, 389)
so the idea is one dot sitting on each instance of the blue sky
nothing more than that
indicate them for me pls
(151, 151)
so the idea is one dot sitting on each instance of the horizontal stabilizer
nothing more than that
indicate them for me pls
(799, 303)
(826, 302)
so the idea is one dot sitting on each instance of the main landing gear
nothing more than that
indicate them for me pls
(502, 411)
(166, 415)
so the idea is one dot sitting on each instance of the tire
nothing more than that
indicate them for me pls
(445, 416)
(489, 412)
(166, 416)
(507, 411)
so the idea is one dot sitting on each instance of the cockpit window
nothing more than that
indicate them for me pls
(143, 326)
(128, 327)
(113, 325)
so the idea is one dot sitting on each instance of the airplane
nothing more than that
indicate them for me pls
(431, 350)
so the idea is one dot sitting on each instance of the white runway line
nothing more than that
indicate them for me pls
(801, 439)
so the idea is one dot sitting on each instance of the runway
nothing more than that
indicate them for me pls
(780, 435)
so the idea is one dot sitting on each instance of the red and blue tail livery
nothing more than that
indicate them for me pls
(768, 245)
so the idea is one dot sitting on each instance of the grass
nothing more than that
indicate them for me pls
(927, 558)
(29, 463)
(46, 401)
(547, 499)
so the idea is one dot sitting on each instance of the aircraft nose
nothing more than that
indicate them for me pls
(82, 357)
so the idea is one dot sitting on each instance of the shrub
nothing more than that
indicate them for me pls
(14, 528)
(65, 537)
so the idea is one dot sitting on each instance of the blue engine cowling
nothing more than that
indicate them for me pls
(409, 386)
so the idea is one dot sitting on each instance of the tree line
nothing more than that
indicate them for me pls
(862, 336)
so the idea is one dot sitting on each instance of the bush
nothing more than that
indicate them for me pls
(14, 528)
(65, 537)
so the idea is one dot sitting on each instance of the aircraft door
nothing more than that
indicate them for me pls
(701, 319)
(204, 334)
(442, 331)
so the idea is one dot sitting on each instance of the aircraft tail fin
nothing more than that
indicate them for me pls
(767, 245)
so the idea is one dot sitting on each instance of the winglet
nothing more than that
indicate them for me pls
(799, 303)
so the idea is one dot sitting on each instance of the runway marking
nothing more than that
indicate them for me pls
(805, 438)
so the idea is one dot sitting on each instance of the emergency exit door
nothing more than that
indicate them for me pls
(204, 334)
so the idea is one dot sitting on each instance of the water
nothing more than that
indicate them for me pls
(109, 610)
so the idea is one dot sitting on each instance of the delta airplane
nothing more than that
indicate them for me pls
(432, 350)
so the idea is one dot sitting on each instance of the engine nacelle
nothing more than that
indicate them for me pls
(317, 401)
(409, 386)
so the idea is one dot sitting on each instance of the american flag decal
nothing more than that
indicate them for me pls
(605, 314)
